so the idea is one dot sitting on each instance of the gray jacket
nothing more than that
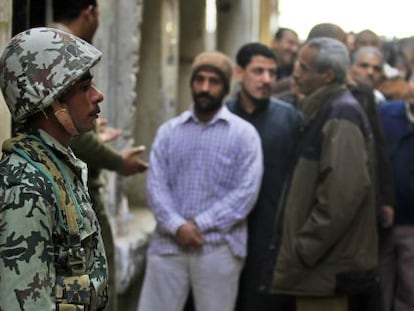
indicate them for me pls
(329, 235)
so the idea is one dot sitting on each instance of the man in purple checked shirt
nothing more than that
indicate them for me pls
(205, 173)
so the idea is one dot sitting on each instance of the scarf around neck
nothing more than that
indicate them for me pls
(313, 103)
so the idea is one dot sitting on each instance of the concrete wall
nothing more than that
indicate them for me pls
(269, 12)
(119, 37)
(5, 34)
(192, 42)
(237, 23)
(148, 90)
(157, 80)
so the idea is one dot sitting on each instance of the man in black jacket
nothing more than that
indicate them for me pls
(277, 123)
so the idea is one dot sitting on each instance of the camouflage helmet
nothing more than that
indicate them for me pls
(38, 65)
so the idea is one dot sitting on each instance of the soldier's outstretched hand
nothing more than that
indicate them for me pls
(132, 164)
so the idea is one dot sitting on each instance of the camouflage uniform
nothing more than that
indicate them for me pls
(98, 155)
(51, 250)
(33, 242)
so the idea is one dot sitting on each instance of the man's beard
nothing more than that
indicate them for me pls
(202, 106)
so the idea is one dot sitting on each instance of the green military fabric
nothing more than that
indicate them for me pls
(97, 155)
(37, 153)
(86, 147)
(33, 242)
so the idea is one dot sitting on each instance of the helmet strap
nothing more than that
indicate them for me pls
(62, 115)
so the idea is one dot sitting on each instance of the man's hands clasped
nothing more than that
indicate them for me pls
(189, 236)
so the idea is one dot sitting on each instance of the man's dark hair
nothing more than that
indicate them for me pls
(281, 32)
(247, 51)
(367, 34)
(327, 30)
(65, 10)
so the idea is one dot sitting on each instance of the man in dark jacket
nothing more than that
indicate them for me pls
(398, 246)
(329, 244)
(277, 123)
(364, 94)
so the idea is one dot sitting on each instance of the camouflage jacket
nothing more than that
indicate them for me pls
(33, 241)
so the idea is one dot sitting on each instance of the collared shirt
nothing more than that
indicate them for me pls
(33, 243)
(209, 173)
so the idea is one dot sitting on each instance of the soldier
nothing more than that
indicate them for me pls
(81, 18)
(51, 249)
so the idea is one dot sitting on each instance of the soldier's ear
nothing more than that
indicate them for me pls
(64, 118)
(86, 13)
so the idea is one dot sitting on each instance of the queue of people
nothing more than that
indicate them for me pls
(292, 193)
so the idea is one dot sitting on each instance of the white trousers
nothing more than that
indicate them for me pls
(213, 279)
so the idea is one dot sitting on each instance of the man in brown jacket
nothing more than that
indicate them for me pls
(328, 247)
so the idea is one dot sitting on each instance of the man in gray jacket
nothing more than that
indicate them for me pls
(328, 249)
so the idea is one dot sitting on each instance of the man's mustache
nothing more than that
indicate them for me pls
(203, 95)
(95, 111)
(266, 87)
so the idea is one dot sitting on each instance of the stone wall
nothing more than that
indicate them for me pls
(119, 37)
(5, 34)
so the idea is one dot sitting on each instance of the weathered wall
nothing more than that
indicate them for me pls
(192, 42)
(269, 12)
(119, 37)
(5, 34)
(238, 23)
(157, 80)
